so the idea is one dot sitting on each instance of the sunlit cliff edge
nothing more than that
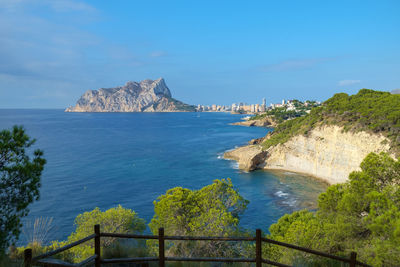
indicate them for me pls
(328, 153)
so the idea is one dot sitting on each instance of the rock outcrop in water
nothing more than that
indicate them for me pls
(327, 152)
(263, 122)
(145, 96)
(249, 157)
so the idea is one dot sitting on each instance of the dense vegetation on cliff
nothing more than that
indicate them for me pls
(368, 110)
(360, 215)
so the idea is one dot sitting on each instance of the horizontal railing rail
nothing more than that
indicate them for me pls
(56, 251)
(258, 260)
(209, 238)
(129, 236)
(311, 251)
(211, 259)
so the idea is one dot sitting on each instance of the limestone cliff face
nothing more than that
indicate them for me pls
(249, 157)
(327, 152)
(146, 96)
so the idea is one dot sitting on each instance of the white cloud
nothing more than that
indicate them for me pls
(348, 82)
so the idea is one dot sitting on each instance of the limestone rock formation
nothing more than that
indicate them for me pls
(146, 96)
(263, 122)
(249, 157)
(327, 152)
(257, 141)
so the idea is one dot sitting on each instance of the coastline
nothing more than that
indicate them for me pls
(327, 153)
(266, 122)
(282, 171)
(244, 165)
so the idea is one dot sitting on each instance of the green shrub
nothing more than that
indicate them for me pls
(361, 215)
(213, 210)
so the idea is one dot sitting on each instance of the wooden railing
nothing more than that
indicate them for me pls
(44, 260)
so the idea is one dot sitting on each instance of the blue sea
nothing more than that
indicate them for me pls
(105, 159)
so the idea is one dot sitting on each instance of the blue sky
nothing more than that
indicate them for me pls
(209, 52)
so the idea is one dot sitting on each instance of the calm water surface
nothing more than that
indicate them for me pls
(105, 159)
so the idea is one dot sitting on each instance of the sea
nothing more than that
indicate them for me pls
(130, 159)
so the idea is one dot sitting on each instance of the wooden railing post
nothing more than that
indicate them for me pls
(161, 252)
(353, 259)
(258, 248)
(28, 257)
(97, 245)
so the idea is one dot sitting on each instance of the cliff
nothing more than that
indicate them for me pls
(145, 96)
(249, 157)
(327, 152)
(332, 140)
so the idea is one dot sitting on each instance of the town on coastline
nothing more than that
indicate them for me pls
(154, 96)
(244, 108)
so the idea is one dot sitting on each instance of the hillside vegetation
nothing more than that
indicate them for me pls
(368, 110)
(360, 215)
(281, 114)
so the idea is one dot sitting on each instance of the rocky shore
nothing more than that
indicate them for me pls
(327, 152)
(263, 122)
(249, 157)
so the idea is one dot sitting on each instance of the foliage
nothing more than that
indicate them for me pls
(8, 261)
(17, 253)
(213, 210)
(280, 114)
(114, 220)
(128, 248)
(20, 181)
(368, 110)
(361, 215)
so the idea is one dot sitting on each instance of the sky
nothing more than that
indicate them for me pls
(208, 52)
